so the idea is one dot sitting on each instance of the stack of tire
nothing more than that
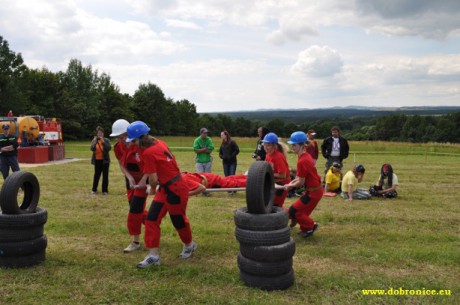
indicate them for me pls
(22, 242)
(266, 246)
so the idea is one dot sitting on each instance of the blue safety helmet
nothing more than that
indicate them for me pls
(270, 138)
(136, 129)
(298, 137)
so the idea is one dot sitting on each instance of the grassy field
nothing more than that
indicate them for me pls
(411, 242)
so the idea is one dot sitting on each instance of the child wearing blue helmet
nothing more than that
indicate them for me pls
(307, 176)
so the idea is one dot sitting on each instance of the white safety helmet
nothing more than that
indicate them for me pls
(119, 127)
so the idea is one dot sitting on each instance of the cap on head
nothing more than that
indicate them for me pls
(270, 138)
(136, 130)
(203, 130)
(311, 132)
(119, 127)
(298, 137)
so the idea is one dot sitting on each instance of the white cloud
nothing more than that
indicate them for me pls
(318, 61)
(182, 24)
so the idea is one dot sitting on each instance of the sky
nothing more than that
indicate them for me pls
(239, 55)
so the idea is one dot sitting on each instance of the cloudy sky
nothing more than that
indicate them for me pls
(227, 55)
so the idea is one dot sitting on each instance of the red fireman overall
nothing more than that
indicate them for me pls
(279, 165)
(304, 206)
(171, 197)
(136, 197)
(210, 180)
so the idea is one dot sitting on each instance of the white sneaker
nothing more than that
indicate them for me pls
(187, 251)
(132, 247)
(149, 260)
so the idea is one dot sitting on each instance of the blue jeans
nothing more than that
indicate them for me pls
(229, 168)
(6, 162)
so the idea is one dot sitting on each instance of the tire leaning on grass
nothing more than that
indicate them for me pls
(258, 268)
(276, 219)
(280, 282)
(272, 253)
(260, 238)
(9, 193)
(260, 188)
(22, 248)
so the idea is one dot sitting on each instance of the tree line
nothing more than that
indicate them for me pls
(83, 98)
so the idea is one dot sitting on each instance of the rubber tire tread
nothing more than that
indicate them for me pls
(22, 248)
(21, 233)
(267, 238)
(24, 220)
(9, 193)
(255, 267)
(23, 261)
(277, 219)
(260, 188)
(272, 253)
(280, 282)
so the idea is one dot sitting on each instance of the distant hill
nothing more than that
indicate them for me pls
(298, 116)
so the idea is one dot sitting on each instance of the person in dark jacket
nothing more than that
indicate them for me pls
(100, 147)
(334, 148)
(228, 152)
(259, 154)
(8, 151)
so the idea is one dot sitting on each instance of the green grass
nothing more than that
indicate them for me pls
(410, 242)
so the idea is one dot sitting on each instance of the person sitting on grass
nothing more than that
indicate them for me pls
(350, 189)
(387, 183)
(333, 178)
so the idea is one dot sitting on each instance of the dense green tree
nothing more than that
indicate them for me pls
(388, 128)
(80, 102)
(12, 70)
(185, 119)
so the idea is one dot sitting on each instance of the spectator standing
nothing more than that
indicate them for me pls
(259, 154)
(8, 151)
(312, 145)
(334, 148)
(100, 147)
(203, 147)
(10, 113)
(227, 152)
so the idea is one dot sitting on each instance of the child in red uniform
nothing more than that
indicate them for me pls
(306, 175)
(131, 166)
(197, 183)
(276, 156)
(160, 168)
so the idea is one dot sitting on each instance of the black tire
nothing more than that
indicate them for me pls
(280, 282)
(22, 248)
(24, 220)
(260, 188)
(20, 234)
(273, 253)
(9, 193)
(23, 261)
(260, 238)
(264, 268)
(277, 219)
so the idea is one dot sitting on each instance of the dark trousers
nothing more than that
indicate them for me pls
(101, 168)
(229, 168)
(6, 162)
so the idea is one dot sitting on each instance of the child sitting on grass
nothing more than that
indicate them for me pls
(350, 189)
(387, 183)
